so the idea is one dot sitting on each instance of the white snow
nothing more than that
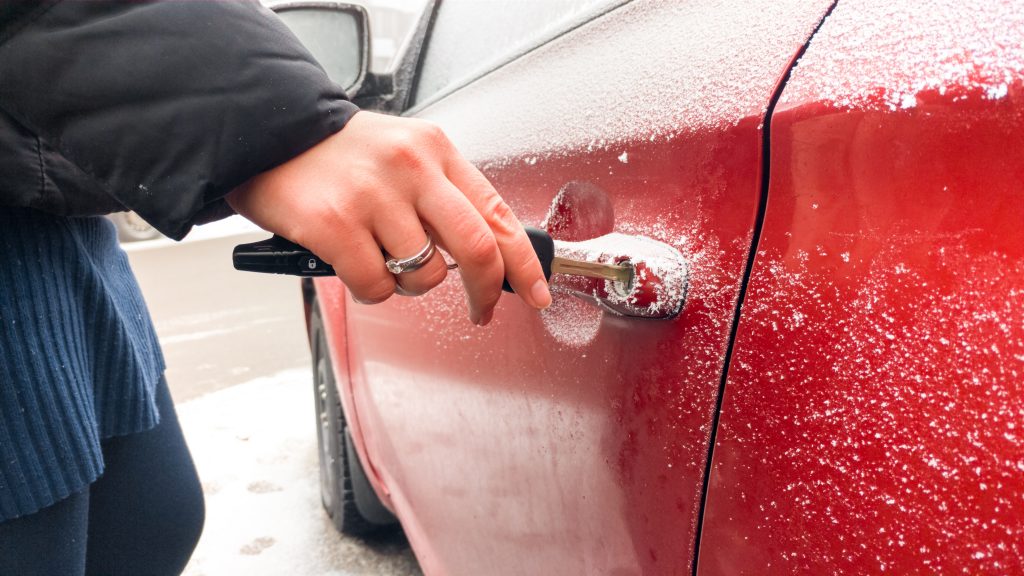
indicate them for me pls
(471, 37)
(571, 320)
(646, 71)
(661, 276)
(880, 54)
(255, 447)
(902, 391)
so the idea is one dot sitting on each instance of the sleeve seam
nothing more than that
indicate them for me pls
(39, 153)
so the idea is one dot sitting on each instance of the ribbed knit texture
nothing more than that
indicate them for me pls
(79, 358)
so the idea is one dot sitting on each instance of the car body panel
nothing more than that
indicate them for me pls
(331, 296)
(574, 441)
(872, 414)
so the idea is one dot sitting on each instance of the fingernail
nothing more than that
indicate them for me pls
(540, 294)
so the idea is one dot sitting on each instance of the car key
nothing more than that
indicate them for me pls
(278, 255)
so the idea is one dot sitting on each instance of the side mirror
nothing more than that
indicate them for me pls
(338, 36)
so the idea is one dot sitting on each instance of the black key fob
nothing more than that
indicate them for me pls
(279, 255)
(544, 246)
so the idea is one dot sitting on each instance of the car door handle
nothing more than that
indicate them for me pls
(660, 275)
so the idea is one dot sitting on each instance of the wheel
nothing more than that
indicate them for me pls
(345, 491)
(132, 228)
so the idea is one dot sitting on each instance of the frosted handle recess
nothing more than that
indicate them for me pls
(661, 275)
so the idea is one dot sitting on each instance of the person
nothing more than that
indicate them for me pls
(183, 112)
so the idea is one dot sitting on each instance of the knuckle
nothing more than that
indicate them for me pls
(481, 249)
(405, 151)
(499, 214)
(419, 148)
(432, 133)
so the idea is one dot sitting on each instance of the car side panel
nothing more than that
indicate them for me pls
(872, 420)
(573, 441)
(333, 300)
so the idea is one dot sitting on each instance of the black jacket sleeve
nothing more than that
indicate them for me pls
(167, 106)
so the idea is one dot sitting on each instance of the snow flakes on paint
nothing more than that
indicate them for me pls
(649, 70)
(570, 320)
(879, 54)
(896, 406)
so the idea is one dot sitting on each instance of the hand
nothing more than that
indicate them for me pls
(380, 183)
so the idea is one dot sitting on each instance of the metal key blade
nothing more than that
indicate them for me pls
(617, 273)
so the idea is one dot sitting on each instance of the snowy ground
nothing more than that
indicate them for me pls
(255, 448)
(239, 368)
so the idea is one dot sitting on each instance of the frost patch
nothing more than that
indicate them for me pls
(888, 406)
(648, 71)
(997, 92)
(879, 54)
(571, 321)
(660, 279)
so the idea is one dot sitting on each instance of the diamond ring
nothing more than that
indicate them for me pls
(414, 262)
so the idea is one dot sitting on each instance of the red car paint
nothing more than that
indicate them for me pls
(575, 442)
(873, 414)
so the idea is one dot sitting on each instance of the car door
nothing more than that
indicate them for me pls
(871, 422)
(575, 441)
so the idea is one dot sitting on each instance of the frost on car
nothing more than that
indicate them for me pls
(863, 413)
(576, 440)
(873, 413)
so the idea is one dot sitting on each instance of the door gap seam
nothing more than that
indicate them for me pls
(762, 206)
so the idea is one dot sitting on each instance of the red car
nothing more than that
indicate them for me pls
(843, 388)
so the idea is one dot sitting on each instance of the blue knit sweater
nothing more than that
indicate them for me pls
(79, 358)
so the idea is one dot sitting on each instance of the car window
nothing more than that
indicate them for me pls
(390, 22)
(472, 37)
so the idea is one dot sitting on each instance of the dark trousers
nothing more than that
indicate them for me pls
(142, 517)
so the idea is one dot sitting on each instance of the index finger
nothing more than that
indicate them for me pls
(522, 268)
(466, 236)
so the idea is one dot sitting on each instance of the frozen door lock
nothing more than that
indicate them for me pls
(628, 275)
(658, 275)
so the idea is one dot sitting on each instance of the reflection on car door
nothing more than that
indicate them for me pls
(573, 441)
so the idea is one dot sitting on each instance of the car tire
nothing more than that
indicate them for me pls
(345, 491)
